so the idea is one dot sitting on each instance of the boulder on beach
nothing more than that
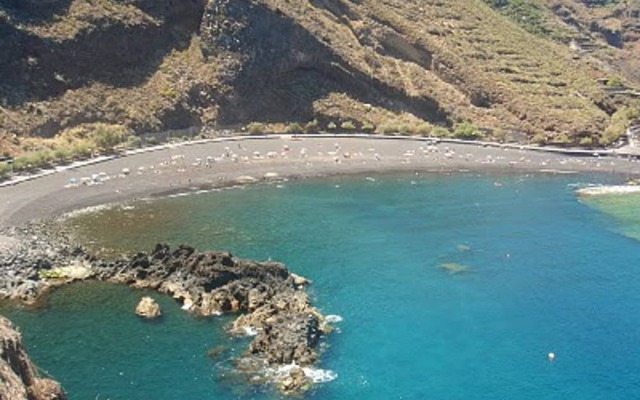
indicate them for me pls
(148, 308)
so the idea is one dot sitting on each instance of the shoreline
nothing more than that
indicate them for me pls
(228, 161)
(31, 241)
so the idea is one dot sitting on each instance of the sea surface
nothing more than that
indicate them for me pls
(450, 287)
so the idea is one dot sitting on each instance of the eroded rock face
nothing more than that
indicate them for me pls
(18, 375)
(148, 308)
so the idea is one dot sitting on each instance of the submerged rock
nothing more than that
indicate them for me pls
(148, 308)
(454, 268)
(19, 379)
(216, 352)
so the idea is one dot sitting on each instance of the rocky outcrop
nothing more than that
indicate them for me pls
(273, 305)
(31, 254)
(148, 308)
(19, 379)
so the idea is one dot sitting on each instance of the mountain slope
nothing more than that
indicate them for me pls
(395, 65)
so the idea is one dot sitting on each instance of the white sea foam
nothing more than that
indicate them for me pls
(88, 210)
(333, 319)
(250, 330)
(317, 375)
(609, 189)
(181, 194)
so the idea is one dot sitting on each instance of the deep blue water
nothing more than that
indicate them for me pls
(544, 273)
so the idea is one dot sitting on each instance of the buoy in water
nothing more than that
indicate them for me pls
(551, 356)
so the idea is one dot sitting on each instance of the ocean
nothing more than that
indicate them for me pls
(449, 287)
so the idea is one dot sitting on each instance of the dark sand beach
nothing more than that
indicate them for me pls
(231, 161)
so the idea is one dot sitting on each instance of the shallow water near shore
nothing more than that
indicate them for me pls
(624, 208)
(450, 287)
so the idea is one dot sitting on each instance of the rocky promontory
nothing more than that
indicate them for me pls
(19, 378)
(273, 306)
(272, 303)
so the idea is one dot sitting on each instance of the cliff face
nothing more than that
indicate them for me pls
(166, 64)
(18, 375)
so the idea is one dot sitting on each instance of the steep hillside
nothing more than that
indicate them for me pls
(389, 65)
(607, 31)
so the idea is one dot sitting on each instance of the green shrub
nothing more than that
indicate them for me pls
(614, 82)
(466, 130)
(294, 128)
(348, 126)
(620, 121)
(440, 131)
(5, 169)
(62, 153)
(560, 139)
(169, 93)
(332, 126)
(539, 138)
(106, 137)
(33, 160)
(405, 129)
(134, 142)
(22, 163)
(256, 128)
(586, 142)
(388, 128)
(151, 140)
(368, 128)
(81, 150)
(423, 129)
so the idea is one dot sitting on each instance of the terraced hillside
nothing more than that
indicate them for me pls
(604, 32)
(70, 67)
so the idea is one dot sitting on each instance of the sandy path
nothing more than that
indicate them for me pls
(185, 167)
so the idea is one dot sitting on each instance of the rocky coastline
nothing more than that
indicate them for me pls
(272, 304)
(19, 377)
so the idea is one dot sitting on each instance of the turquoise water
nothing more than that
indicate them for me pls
(624, 208)
(544, 273)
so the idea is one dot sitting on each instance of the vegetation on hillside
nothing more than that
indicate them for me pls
(525, 70)
(74, 144)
